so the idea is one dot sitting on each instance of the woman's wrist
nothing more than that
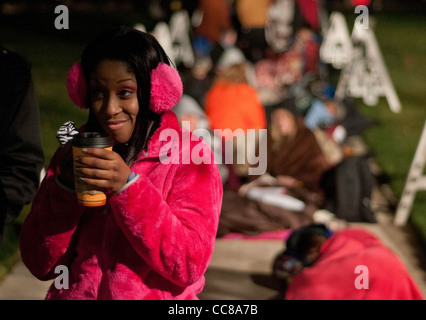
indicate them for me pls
(131, 177)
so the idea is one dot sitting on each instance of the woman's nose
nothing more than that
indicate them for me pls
(111, 105)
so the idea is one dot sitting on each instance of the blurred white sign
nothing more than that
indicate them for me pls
(162, 33)
(366, 76)
(174, 38)
(180, 25)
(336, 47)
(415, 181)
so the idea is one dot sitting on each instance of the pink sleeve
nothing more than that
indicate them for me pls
(46, 233)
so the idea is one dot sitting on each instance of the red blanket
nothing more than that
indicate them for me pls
(354, 265)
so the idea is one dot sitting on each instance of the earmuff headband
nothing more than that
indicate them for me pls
(166, 87)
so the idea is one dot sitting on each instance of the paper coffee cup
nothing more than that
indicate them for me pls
(86, 195)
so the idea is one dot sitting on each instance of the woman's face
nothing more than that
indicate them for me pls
(284, 122)
(114, 101)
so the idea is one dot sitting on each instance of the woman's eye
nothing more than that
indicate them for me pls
(125, 93)
(96, 93)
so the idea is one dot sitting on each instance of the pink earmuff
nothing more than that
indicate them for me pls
(166, 87)
(77, 86)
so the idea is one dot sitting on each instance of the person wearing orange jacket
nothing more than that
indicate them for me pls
(232, 103)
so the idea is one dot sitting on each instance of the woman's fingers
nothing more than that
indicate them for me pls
(91, 162)
(93, 173)
(99, 153)
(103, 169)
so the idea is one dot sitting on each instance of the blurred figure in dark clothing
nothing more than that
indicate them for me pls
(21, 153)
(251, 18)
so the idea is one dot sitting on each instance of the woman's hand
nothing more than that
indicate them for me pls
(289, 182)
(105, 170)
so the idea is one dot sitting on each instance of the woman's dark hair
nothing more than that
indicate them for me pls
(142, 53)
(304, 238)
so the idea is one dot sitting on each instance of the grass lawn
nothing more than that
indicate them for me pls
(394, 140)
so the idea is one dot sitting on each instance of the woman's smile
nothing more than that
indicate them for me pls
(116, 124)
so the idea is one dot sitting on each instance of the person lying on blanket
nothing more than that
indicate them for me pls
(348, 264)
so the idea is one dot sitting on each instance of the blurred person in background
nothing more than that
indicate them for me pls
(21, 153)
(251, 16)
(233, 106)
(215, 17)
(346, 264)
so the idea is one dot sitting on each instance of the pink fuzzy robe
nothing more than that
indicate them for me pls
(155, 242)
